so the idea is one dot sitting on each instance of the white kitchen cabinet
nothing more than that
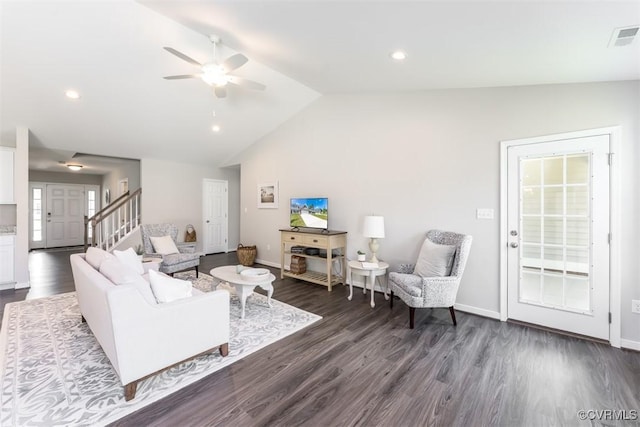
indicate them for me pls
(7, 155)
(7, 249)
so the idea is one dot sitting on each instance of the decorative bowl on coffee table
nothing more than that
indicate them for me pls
(255, 273)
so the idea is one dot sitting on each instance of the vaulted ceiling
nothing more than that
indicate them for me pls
(111, 53)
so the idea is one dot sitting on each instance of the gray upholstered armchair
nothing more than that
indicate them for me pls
(171, 263)
(434, 280)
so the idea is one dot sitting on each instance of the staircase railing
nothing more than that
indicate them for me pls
(112, 223)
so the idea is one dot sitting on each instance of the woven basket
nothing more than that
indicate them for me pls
(246, 254)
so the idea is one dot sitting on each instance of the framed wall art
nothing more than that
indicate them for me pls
(268, 195)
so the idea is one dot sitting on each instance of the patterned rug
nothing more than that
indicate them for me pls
(53, 372)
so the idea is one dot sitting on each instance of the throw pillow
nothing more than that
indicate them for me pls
(434, 260)
(95, 256)
(130, 259)
(167, 289)
(121, 274)
(164, 245)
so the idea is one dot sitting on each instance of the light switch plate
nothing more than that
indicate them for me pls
(485, 213)
(635, 306)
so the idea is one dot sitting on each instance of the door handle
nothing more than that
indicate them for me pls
(514, 244)
(207, 221)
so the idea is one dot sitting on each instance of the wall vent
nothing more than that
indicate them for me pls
(623, 36)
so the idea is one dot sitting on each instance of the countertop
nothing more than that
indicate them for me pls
(7, 230)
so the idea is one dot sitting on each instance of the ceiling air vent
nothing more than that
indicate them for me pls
(623, 36)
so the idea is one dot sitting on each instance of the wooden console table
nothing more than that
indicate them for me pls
(328, 241)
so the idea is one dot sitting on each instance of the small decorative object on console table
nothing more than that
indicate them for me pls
(370, 270)
(327, 240)
(373, 227)
(361, 256)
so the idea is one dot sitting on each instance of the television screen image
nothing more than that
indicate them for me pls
(309, 212)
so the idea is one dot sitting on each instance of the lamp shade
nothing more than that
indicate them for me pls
(373, 227)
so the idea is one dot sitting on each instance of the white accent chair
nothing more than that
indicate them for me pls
(428, 292)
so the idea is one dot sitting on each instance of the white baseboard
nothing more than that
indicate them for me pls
(479, 311)
(23, 285)
(7, 286)
(269, 263)
(631, 345)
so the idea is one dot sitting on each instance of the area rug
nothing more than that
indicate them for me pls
(53, 372)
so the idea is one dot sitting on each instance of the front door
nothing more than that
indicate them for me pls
(65, 215)
(558, 234)
(215, 216)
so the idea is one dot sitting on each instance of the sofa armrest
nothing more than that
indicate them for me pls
(149, 338)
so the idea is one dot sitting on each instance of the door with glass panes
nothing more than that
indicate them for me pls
(558, 234)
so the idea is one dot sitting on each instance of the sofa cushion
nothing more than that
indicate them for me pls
(164, 245)
(130, 259)
(434, 260)
(167, 289)
(95, 256)
(121, 274)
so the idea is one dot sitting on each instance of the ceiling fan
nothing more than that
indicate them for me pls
(217, 75)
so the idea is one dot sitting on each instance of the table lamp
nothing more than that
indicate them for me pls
(373, 227)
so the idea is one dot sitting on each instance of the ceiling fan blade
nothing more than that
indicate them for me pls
(233, 62)
(182, 76)
(249, 84)
(220, 91)
(182, 56)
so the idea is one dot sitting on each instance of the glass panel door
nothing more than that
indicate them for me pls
(558, 229)
(556, 232)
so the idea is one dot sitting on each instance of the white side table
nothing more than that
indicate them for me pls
(356, 268)
(151, 264)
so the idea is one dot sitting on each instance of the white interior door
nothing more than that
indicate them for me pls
(215, 216)
(558, 234)
(65, 215)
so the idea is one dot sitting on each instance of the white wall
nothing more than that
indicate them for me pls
(64, 177)
(172, 192)
(429, 160)
(21, 188)
(129, 169)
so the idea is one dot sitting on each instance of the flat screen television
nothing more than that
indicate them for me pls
(309, 212)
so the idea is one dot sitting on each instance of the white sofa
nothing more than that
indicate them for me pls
(139, 336)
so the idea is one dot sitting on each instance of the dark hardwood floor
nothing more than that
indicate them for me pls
(365, 367)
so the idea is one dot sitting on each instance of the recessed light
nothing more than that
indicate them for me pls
(72, 94)
(398, 55)
(215, 128)
(75, 168)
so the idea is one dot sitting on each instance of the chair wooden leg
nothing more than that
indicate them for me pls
(412, 316)
(196, 271)
(130, 390)
(391, 300)
(224, 349)
(453, 316)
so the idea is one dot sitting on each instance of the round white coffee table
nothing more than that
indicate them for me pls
(244, 287)
(356, 268)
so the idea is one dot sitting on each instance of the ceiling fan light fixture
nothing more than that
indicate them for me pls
(75, 168)
(213, 75)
